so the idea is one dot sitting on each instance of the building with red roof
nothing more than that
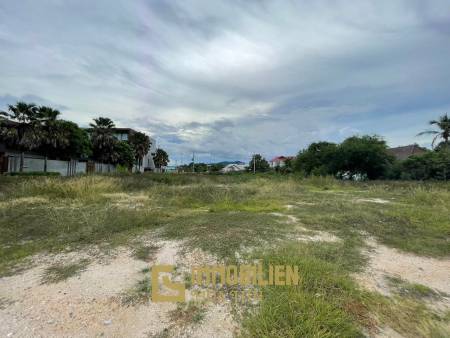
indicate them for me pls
(279, 161)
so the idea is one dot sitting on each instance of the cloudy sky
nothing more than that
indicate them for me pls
(229, 78)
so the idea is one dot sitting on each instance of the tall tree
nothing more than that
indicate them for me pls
(258, 164)
(141, 145)
(103, 140)
(125, 154)
(443, 124)
(80, 145)
(55, 135)
(23, 130)
(364, 156)
(161, 158)
(318, 159)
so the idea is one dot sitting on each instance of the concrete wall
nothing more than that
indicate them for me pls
(36, 163)
(104, 168)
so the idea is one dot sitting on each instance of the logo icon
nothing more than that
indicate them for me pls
(166, 284)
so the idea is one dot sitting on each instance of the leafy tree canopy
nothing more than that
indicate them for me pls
(319, 158)
(258, 163)
(363, 155)
(161, 158)
(125, 154)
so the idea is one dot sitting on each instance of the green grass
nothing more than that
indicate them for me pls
(328, 303)
(145, 252)
(224, 234)
(413, 290)
(187, 314)
(60, 272)
(231, 217)
(139, 294)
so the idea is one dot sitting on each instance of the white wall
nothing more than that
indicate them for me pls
(36, 163)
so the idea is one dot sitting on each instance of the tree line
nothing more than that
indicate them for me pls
(28, 127)
(367, 157)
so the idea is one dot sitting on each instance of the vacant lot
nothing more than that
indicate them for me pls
(76, 255)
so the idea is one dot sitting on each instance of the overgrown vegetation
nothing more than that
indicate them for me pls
(145, 252)
(59, 272)
(245, 217)
(367, 157)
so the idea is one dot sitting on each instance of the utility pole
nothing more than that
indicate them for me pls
(254, 163)
(193, 162)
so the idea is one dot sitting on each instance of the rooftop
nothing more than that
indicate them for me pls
(402, 153)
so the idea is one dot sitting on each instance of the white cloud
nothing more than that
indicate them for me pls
(233, 77)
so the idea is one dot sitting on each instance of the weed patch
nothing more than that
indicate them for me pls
(60, 272)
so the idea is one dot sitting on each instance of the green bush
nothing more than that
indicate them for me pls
(357, 156)
(432, 165)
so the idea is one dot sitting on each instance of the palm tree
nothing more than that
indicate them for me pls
(444, 130)
(141, 145)
(48, 113)
(103, 140)
(24, 128)
(56, 136)
(161, 158)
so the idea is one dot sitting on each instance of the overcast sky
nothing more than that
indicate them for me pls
(229, 78)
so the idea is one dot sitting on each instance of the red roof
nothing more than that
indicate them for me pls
(281, 158)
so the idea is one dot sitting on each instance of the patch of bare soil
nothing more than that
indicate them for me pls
(89, 305)
(23, 200)
(128, 201)
(318, 236)
(372, 200)
(303, 234)
(384, 261)
(387, 332)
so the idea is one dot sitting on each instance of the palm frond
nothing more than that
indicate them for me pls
(428, 132)
(434, 140)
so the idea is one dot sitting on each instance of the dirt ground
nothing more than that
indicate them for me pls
(89, 305)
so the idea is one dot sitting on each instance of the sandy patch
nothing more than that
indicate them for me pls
(127, 201)
(384, 261)
(218, 323)
(372, 200)
(305, 203)
(24, 200)
(290, 218)
(89, 305)
(319, 236)
(387, 332)
(311, 235)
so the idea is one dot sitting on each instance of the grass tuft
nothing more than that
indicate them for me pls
(60, 272)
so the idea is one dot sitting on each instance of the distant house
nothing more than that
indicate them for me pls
(233, 167)
(402, 153)
(279, 161)
(123, 134)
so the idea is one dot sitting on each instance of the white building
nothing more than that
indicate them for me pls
(233, 168)
(279, 161)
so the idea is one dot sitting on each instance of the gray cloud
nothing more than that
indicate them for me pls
(229, 78)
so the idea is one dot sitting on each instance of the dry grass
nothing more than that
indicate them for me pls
(231, 217)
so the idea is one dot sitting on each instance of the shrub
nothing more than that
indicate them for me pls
(432, 165)
(318, 159)
(357, 156)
